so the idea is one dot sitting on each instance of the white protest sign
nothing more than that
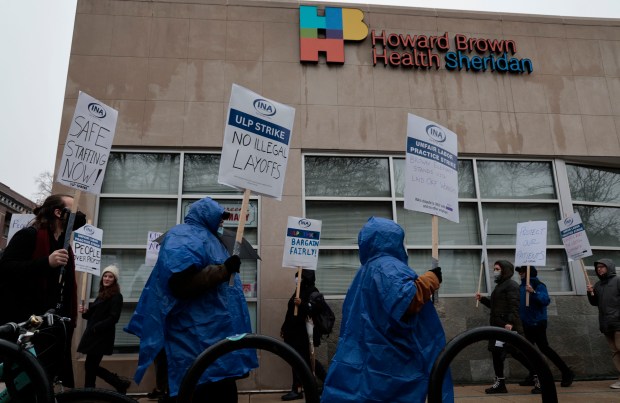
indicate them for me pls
(87, 249)
(85, 156)
(531, 243)
(301, 248)
(18, 221)
(256, 143)
(152, 248)
(431, 171)
(574, 237)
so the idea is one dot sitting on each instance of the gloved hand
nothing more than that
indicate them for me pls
(437, 272)
(233, 264)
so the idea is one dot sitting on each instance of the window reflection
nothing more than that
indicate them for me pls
(602, 224)
(594, 184)
(142, 173)
(516, 180)
(352, 177)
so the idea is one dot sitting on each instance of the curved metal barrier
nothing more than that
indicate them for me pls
(253, 341)
(456, 345)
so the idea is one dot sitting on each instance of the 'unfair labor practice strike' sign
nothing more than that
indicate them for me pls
(431, 177)
(574, 238)
(87, 249)
(256, 143)
(301, 248)
(531, 243)
(88, 144)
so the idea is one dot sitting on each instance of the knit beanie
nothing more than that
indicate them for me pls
(112, 269)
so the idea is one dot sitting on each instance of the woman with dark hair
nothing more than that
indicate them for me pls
(38, 273)
(294, 330)
(98, 338)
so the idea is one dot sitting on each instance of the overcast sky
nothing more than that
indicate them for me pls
(35, 41)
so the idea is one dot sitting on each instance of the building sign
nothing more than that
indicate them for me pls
(327, 34)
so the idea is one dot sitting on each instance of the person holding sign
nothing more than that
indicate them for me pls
(98, 338)
(504, 305)
(188, 305)
(31, 267)
(390, 334)
(294, 331)
(534, 318)
(605, 294)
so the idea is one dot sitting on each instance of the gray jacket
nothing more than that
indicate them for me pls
(607, 298)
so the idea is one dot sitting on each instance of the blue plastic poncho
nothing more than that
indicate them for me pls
(382, 357)
(186, 327)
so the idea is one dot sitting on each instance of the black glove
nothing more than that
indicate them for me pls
(437, 271)
(233, 264)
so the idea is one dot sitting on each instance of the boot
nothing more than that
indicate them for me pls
(121, 384)
(528, 381)
(293, 395)
(567, 378)
(536, 390)
(498, 387)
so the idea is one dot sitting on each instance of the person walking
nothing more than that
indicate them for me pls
(188, 305)
(534, 318)
(504, 305)
(295, 333)
(390, 334)
(38, 274)
(605, 295)
(98, 338)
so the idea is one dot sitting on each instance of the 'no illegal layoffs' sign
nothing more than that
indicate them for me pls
(256, 143)
(85, 156)
(87, 249)
(574, 237)
(301, 248)
(431, 172)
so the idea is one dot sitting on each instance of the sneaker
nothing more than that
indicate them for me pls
(567, 379)
(155, 394)
(615, 385)
(292, 395)
(498, 387)
(528, 381)
(536, 390)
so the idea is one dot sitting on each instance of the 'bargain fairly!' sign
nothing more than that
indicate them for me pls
(85, 156)
(256, 143)
(301, 248)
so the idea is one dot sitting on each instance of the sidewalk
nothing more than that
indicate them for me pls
(579, 392)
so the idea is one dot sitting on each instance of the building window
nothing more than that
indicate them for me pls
(151, 191)
(344, 191)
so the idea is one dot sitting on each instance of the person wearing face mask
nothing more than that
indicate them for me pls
(504, 305)
(31, 268)
(605, 295)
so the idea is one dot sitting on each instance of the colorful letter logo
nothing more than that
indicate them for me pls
(337, 25)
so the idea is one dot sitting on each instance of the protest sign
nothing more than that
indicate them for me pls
(431, 172)
(152, 248)
(87, 249)
(85, 155)
(531, 243)
(574, 237)
(18, 221)
(301, 247)
(256, 143)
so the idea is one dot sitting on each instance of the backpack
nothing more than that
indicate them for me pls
(322, 315)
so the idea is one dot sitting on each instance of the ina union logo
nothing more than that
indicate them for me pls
(436, 133)
(96, 110)
(304, 223)
(568, 221)
(264, 107)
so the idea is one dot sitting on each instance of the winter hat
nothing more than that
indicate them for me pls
(523, 269)
(112, 269)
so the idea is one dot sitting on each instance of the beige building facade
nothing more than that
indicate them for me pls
(534, 101)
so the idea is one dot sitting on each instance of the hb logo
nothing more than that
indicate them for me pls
(327, 33)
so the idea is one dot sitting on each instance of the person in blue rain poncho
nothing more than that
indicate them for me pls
(188, 305)
(390, 333)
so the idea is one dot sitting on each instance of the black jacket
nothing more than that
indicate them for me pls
(607, 298)
(102, 316)
(504, 302)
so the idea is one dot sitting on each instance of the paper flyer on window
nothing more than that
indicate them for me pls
(431, 169)
(301, 247)
(256, 143)
(152, 248)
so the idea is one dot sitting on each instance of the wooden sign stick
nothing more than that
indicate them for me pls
(240, 229)
(480, 281)
(585, 274)
(298, 288)
(527, 282)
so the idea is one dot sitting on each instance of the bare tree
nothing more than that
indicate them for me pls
(44, 182)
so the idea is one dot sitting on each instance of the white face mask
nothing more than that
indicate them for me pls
(497, 274)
